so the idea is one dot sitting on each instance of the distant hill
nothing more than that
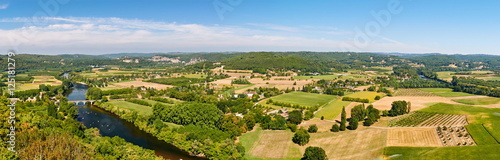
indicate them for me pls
(260, 61)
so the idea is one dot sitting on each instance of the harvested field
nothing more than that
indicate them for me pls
(413, 137)
(323, 125)
(138, 83)
(364, 143)
(272, 144)
(417, 102)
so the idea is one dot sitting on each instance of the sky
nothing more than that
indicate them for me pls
(160, 26)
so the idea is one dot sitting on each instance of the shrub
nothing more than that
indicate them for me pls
(312, 129)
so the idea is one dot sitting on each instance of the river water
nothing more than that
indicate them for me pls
(112, 125)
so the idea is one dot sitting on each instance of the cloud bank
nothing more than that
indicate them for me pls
(95, 35)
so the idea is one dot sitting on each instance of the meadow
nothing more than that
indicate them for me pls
(443, 153)
(478, 101)
(304, 98)
(332, 109)
(143, 110)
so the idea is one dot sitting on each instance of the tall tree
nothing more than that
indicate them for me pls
(343, 120)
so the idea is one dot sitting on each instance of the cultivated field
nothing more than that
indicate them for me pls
(428, 119)
(365, 95)
(455, 136)
(259, 82)
(413, 92)
(303, 99)
(413, 137)
(445, 92)
(37, 81)
(138, 83)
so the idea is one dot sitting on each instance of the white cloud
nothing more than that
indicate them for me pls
(90, 35)
(4, 6)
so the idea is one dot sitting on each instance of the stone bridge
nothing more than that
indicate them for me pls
(82, 101)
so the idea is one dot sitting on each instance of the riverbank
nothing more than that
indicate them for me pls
(155, 128)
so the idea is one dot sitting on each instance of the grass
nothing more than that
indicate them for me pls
(199, 76)
(304, 99)
(494, 79)
(437, 89)
(445, 108)
(243, 87)
(366, 95)
(327, 77)
(453, 94)
(332, 110)
(143, 110)
(445, 92)
(445, 75)
(480, 134)
(478, 101)
(444, 153)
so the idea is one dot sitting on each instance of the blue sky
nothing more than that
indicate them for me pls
(112, 26)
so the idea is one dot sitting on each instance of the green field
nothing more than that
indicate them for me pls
(327, 77)
(478, 101)
(452, 94)
(445, 75)
(243, 87)
(332, 110)
(194, 76)
(436, 89)
(494, 79)
(481, 135)
(365, 95)
(143, 110)
(485, 152)
(445, 92)
(304, 98)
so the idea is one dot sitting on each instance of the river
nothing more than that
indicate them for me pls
(112, 125)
